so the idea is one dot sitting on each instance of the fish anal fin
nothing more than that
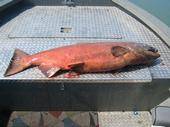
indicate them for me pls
(119, 51)
(49, 70)
(76, 65)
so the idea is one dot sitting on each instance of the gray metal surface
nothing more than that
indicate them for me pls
(124, 119)
(161, 115)
(166, 102)
(85, 22)
(39, 28)
(69, 2)
(124, 89)
(4, 2)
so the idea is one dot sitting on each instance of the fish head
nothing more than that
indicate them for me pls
(145, 53)
(151, 52)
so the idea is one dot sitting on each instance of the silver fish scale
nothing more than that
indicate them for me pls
(39, 28)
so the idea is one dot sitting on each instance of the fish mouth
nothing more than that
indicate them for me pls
(153, 54)
(157, 55)
(151, 51)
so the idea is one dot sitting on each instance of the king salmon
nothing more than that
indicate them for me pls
(84, 58)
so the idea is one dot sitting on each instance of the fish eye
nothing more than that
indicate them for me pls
(152, 49)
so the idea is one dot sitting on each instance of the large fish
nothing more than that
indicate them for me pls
(84, 58)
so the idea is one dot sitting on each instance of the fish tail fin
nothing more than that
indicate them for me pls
(16, 64)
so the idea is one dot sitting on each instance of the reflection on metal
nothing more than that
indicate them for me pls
(6, 3)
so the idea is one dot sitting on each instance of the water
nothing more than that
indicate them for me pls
(158, 8)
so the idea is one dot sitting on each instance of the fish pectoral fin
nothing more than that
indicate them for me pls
(76, 65)
(49, 70)
(119, 51)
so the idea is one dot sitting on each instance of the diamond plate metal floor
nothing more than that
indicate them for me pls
(43, 22)
(33, 33)
(124, 119)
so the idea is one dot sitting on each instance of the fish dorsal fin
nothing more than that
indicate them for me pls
(76, 65)
(119, 51)
(49, 70)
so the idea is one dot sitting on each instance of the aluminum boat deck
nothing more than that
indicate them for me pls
(38, 28)
(37, 25)
(34, 26)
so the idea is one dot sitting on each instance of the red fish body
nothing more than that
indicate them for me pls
(84, 58)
